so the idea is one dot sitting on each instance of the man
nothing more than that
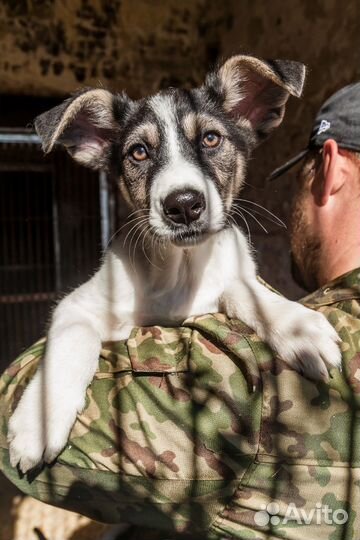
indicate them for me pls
(199, 429)
(325, 236)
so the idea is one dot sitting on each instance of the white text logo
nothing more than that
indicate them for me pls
(319, 515)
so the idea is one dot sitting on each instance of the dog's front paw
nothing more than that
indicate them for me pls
(26, 446)
(33, 436)
(306, 340)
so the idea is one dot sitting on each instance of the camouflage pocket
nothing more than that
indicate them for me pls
(166, 404)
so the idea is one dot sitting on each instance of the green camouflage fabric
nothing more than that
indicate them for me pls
(199, 430)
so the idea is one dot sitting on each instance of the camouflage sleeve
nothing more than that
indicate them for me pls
(198, 429)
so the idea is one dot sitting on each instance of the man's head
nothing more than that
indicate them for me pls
(325, 216)
(324, 223)
(179, 156)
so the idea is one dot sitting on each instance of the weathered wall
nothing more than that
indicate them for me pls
(51, 47)
(54, 46)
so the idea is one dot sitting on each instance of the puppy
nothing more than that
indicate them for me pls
(180, 160)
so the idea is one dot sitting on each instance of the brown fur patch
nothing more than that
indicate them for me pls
(189, 125)
(193, 124)
(147, 133)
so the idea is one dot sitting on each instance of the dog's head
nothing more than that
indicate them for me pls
(179, 155)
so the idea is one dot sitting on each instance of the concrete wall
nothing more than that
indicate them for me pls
(52, 47)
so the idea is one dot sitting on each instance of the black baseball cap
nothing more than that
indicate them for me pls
(338, 119)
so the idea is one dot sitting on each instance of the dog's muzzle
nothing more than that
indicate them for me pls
(183, 207)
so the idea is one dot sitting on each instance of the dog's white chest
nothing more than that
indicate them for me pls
(187, 283)
(186, 290)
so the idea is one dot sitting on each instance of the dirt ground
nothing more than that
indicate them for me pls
(24, 518)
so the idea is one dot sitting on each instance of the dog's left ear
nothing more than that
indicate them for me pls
(86, 124)
(256, 90)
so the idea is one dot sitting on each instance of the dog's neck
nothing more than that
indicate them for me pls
(162, 266)
(166, 278)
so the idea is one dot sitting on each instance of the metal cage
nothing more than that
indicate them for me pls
(55, 220)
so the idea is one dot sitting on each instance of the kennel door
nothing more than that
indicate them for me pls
(51, 236)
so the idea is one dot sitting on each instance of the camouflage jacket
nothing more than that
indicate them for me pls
(199, 429)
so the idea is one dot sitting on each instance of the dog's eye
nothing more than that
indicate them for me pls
(139, 153)
(211, 139)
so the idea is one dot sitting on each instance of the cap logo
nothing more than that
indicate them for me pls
(324, 126)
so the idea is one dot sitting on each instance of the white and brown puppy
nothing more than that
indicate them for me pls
(180, 158)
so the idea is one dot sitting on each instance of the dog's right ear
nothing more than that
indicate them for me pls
(85, 124)
(256, 91)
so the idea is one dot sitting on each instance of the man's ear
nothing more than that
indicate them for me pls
(332, 177)
(84, 124)
(256, 91)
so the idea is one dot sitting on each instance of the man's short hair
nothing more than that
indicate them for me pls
(313, 161)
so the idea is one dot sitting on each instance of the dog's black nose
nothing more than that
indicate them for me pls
(184, 207)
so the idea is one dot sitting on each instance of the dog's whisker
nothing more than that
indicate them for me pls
(152, 243)
(255, 219)
(161, 243)
(231, 221)
(269, 218)
(139, 222)
(137, 211)
(120, 228)
(143, 247)
(144, 250)
(138, 231)
(133, 232)
(112, 238)
(239, 213)
(229, 218)
(280, 221)
(128, 220)
(131, 221)
(135, 220)
(141, 232)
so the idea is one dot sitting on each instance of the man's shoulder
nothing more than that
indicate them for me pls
(341, 293)
(339, 301)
